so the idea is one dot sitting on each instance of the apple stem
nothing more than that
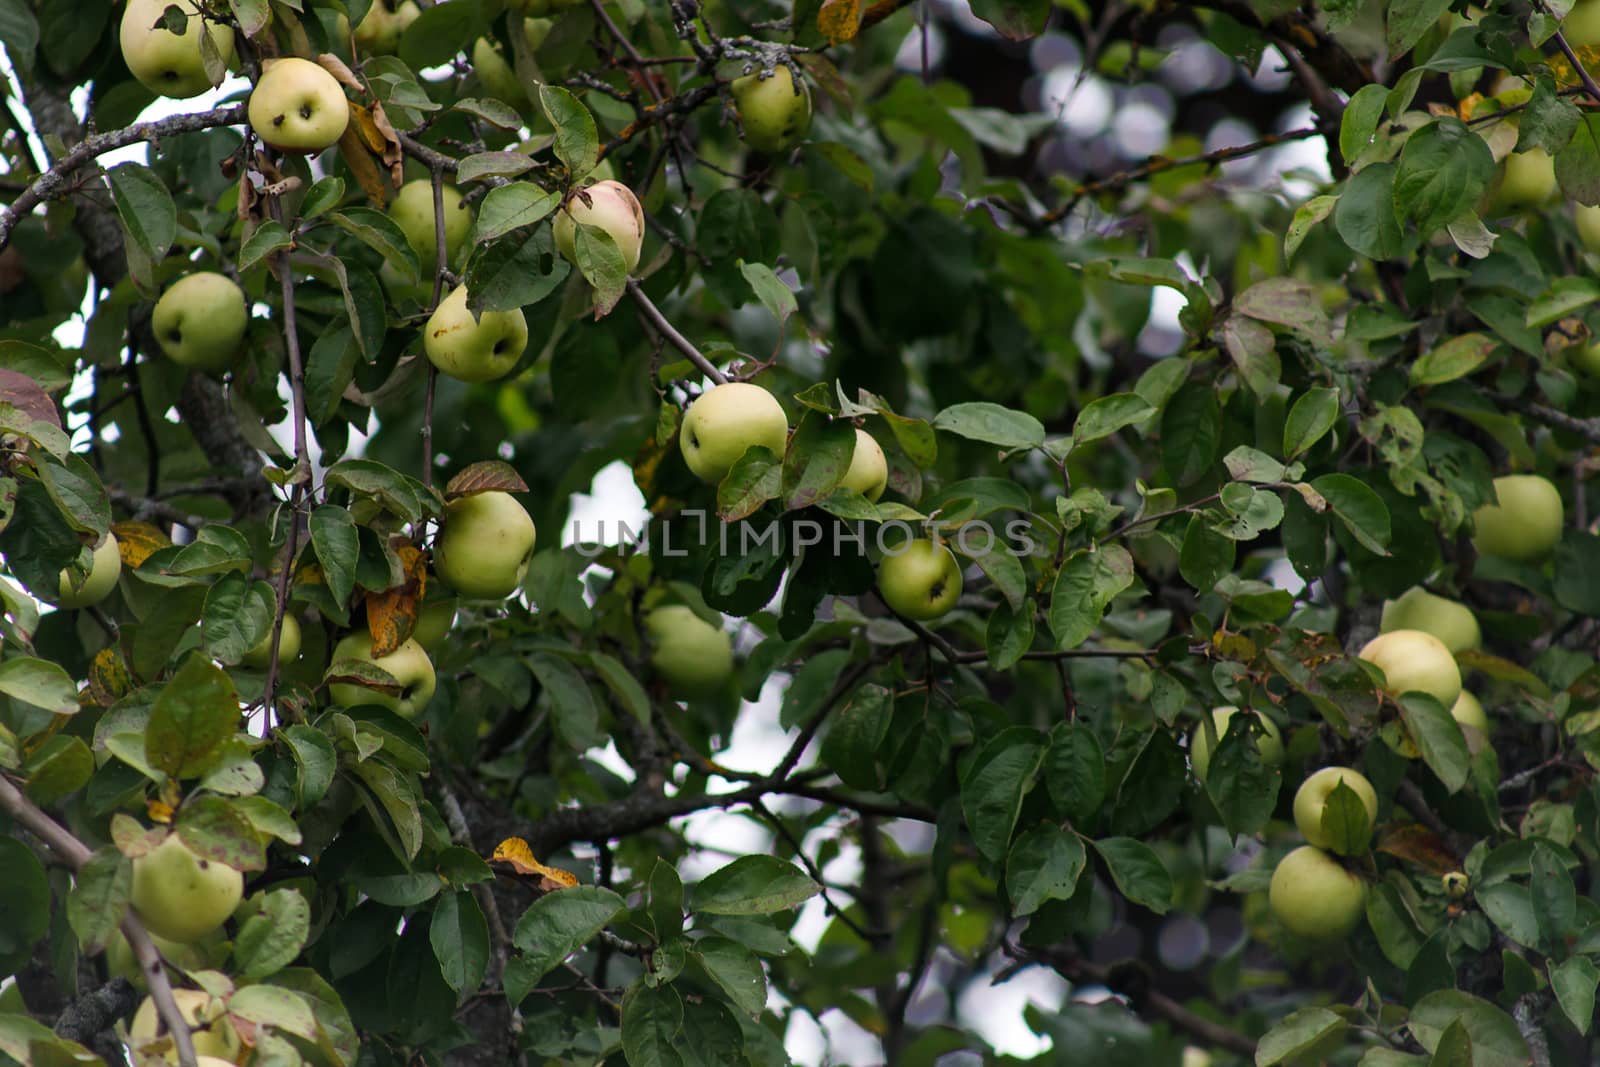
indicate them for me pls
(61, 841)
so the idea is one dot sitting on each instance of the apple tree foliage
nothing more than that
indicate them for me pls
(1006, 787)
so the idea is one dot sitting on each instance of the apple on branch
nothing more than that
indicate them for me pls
(95, 586)
(726, 421)
(484, 545)
(1451, 622)
(774, 109)
(297, 106)
(1526, 522)
(180, 895)
(200, 321)
(610, 206)
(215, 1039)
(694, 657)
(1314, 897)
(868, 473)
(379, 31)
(409, 665)
(1414, 661)
(170, 64)
(1269, 742)
(920, 579)
(260, 654)
(412, 211)
(473, 349)
(1311, 802)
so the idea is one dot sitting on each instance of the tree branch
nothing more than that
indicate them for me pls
(670, 332)
(60, 841)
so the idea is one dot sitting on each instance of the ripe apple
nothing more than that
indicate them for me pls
(1468, 711)
(1449, 621)
(98, 583)
(409, 665)
(1268, 743)
(484, 544)
(1314, 897)
(1415, 661)
(1527, 179)
(919, 579)
(724, 422)
(260, 656)
(182, 896)
(612, 207)
(213, 1035)
(1525, 524)
(774, 111)
(412, 211)
(869, 470)
(200, 321)
(297, 106)
(434, 621)
(693, 656)
(167, 63)
(471, 350)
(1312, 798)
(1588, 218)
(379, 31)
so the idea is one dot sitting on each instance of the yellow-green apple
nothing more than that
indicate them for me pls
(213, 1035)
(1314, 897)
(1455, 884)
(434, 620)
(869, 470)
(167, 63)
(1413, 661)
(1582, 24)
(1525, 524)
(1468, 711)
(122, 963)
(694, 657)
(409, 665)
(1588, 218)
(727, 420)
(183, 896)
(200, 320)
(484, 545)
(1311, 800)
(412, 211)
(774, 111)
(379, 31)
(1527, 179)
(474, 350)
(1269, 742)
(104, 571)
(260, 655)
(1450, 621)
(495, 74)
(920, 579)
(297, 106)
(612, 207)
(1586, 358)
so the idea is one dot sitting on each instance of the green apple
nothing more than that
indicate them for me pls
(409, 665)
(724, 422)
(412, 211)
(1588, 218)
(1311, 799)
(1527, 179)
(484, 545)
(1586, 359)
(495, 73)
(213, 1035)
(1314, 897)
(122, 963)
(98, 583)
(167, 63)
(1455, 884)
(182, 896)
(919, 579)
(379, 31)
(434, 620)
(297, 106)
(1269, 742)
(1415, 661)
(200, 321)
(260, 656)
(1468, 711)
(1582, 24)
(474, 350)
(869, 470)
(1449, 621)
(694, 657)
(612, 207)
(775, 111)
(1194, 1056)
(1525, 524)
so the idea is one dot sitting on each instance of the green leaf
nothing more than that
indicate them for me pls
(818, 456)
(1455, 358)
(1365, 216)
(1360, 509)
(1295, 1034)
(238, 615)
(99, 898)
(270, 939)
(775, 296)
(1438, 736)
(1075, 771)
(196, 712)
(511, 207)
(515, 272)
(381, 234)
(992, 424)
(1345, 823)
(1406, 22)
(1086, 584)
(994, 785)
(576, 716)
(1241, 784)
(316, 760)
(338, 547)
(1565, 297)
(666, 900)
(460, 938)
(269, 238)
(19, 32)
(1575, 981)
(282, 1009)
(1043, 865)
(600, 262)
(1108, 414)
(651, 1019)
(1444, 169)
(577, 143)
(1495, 1040)
(1191, 431)
(1205, 556)
(323, 196)
(1577, 572)
(1548, 121)
(1312, 211)
(25, 905)
(39, 682)
(753, 885)
(501, 164)
(557, 925)
(1138, 872)
(737, 970)
(216, 829)
(1555, 900)
(1360, 120)
(149, 218)
(1254, 351)
(1578, 164)
(62, 765)
(1287, 302)
(77, 491)
(855, 732)
(1310, 418)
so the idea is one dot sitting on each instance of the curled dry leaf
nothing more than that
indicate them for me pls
(514, 853)
(392, 613)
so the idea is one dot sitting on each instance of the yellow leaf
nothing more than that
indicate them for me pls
(839, 20)
(392, 613)
(138, 541)
(515, 853)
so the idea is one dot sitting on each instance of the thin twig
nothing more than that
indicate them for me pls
(670, 332)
